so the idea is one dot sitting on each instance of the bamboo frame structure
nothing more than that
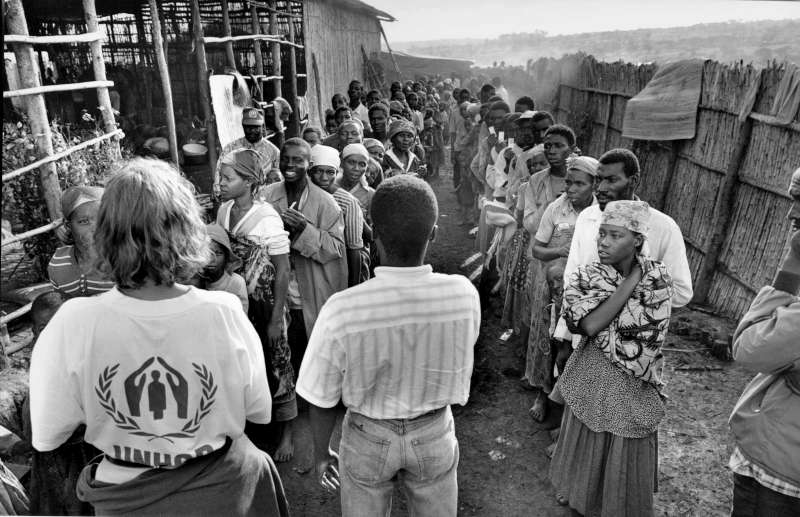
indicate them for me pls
(98, 64)
(35, 106)
(63, 154)
(277, 86)
(163, 72)
(88, 37)
(205, 93)
(53, 88)
(294, 118)
(226, 27)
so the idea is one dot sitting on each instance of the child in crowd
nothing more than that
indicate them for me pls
(374, 174)
(54, 474)
(330, 123)
(215, 274)
(312, 135)
(72, 269)
(606, 456)
(338, 101)
(431, 140)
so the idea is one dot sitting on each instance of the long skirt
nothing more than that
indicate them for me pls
(545, 292)
(602, 474)
(516, 309)
(237, 480)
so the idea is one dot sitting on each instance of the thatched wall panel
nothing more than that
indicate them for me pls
(652, 161)
(728, 297)
(756, 236)
(691, 199)
(725, 86)
(772, 155)
(714, 139)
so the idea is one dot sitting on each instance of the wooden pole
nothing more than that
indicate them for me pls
(607, 124)
(226, 27)
(294, 120)
(166, 87)
(672, 165)
(276, 50)
(391, 54)
(141, 40)
(202, 77)
(99, 65)
(254, 22)
(29, 77)
(722, 212)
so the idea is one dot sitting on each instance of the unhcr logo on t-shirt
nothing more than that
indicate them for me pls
(157, 397)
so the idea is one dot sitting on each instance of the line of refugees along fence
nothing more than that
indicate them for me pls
(724, 187)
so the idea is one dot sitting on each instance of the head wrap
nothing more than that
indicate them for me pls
(633, 215)
(585, 164)
(246, 163)
(74, 197)
(371, 143)
(794, 186)
(357, 149)
(325, 156)
(217, 234)
(401, 126)
(537, 149)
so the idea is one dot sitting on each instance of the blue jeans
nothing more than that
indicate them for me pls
(420, 454)
(752, 499)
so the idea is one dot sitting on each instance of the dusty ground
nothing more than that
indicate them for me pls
(694, 439)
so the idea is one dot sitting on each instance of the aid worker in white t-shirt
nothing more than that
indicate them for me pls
(163, 375)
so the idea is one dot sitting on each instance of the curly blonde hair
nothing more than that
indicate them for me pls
(150, 226)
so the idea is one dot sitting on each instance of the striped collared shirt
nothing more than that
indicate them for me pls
(397, 346)
(67, 277)
(353, 219)
(740, 465)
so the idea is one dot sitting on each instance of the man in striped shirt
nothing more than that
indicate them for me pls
(397, 350)
(324, 166)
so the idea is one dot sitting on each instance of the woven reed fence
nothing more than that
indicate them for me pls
(685, 178)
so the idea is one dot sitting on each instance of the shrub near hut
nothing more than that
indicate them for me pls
(23, 205)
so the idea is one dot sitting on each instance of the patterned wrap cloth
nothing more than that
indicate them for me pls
(634, 338)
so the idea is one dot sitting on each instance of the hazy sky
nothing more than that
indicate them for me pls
(441, 19)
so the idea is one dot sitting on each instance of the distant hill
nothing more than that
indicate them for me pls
(755, 42)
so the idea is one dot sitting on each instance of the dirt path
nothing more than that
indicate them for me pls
(694, 441)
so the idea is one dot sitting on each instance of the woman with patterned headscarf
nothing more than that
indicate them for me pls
(605, 462)
(261, 244)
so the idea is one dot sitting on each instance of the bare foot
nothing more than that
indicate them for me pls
(285, 450)
(538, 410)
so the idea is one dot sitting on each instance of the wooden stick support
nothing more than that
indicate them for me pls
(294, 118)
(88, 37)
(213, 40)
(32, 233)
(205, 93)
(256, 27)
(99, 66)
(226, 28)
(391, 54)
(52, 88)
(35, 108)
(277, 85)
(163, 72)
(63, 154)
(11, 316)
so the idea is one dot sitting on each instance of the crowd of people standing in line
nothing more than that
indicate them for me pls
(184, 394)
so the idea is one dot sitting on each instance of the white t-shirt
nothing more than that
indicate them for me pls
(155, 382)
